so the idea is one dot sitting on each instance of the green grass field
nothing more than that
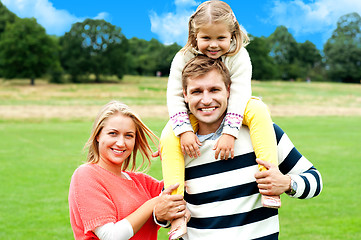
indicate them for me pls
(38, 157)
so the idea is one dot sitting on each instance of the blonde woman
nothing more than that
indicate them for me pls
(108, 198)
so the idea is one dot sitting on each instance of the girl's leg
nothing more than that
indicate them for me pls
(263, 138)
(173, 171)
(172, 159)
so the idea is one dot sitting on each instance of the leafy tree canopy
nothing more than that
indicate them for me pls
(262, 63)
(343, 50)
(6, 16)
(26, 50)
(94, 46)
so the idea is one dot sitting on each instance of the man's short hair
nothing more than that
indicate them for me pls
(201, 65)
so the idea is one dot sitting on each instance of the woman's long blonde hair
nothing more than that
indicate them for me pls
(141, 141)
(215, 11)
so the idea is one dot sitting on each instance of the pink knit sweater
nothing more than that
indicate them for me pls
(97, 197)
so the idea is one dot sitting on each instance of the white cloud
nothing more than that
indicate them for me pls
(173, 27)
(308, 17)
(55, 21)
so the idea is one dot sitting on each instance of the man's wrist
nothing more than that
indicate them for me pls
(292, 187)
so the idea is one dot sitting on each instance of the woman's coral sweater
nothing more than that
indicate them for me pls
(97, 197)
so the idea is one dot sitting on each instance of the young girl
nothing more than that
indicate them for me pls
(215, 32)
(108, 199)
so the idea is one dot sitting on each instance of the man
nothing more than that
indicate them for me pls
(224, 196)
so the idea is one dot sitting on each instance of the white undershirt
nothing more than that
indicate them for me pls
(121, 230)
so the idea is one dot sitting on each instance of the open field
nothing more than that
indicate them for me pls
(147, 96)
(41, 144)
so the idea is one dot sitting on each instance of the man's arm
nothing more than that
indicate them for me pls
(295, 172)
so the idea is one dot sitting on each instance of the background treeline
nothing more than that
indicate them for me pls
(96, 51)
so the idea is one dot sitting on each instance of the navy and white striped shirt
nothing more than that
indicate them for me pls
(223, 196)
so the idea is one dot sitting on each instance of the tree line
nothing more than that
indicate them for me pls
(94, 50)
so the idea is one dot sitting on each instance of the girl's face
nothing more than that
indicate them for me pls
(116, 142)
(214, 40)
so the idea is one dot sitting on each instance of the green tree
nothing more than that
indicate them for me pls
(284, 50)
(263, 66)
(308, 54)
(309, 62)
(6, 16)
(343, 50)
(94, 47)
(148, 57)
(26, 50)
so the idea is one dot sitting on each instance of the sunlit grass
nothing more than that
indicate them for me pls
(38, 159)
(38, 156)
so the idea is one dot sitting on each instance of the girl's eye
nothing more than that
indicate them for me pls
(112, 133)
(195, 92)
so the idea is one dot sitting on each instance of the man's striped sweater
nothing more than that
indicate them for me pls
(223, 196)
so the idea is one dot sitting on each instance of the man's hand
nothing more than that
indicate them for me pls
(169, 207)
(224, 146)
(272, 182)
(190, 144)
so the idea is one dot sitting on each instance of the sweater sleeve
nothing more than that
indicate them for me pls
(240, 69)
(175, 101)
(154, 186)
(90, 199)
(302, 171)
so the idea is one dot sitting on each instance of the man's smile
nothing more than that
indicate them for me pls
(207, 109)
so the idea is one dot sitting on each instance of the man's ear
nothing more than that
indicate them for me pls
(185, 96)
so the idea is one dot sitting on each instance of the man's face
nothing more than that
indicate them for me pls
(207, 98)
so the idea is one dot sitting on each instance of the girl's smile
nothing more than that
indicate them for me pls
(214, 40)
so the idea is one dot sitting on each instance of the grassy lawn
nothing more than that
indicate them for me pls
(151, 91)
(38, 157)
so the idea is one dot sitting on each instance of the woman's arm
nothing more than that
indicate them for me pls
(167, 207)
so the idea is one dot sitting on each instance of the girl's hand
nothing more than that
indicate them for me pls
(224, 146)
(190, 144)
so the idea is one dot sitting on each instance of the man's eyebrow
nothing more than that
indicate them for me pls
(194, 89)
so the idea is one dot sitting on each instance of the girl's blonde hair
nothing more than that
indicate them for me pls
(215, 11)
(141, 142)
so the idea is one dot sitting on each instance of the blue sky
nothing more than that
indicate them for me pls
(166, 20)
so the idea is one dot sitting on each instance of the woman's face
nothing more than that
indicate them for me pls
(116, 142)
